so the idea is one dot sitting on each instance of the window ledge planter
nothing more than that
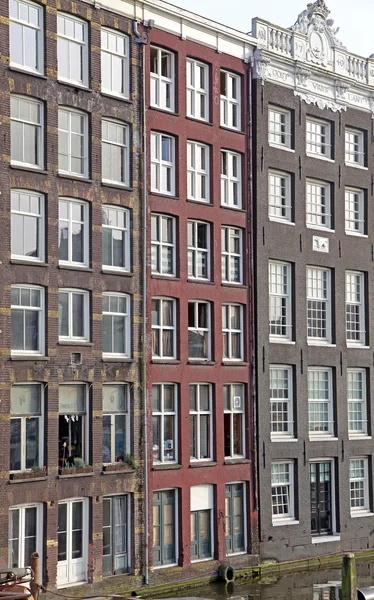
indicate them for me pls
(21, 475)
(72, 471)
(121, 467)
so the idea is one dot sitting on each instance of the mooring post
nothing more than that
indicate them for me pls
(34, 564)
(349, 578)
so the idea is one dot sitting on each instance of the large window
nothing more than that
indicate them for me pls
(26, 36)
(355, 308)
(230, 89)
(197, 90)
(115, 152)
(282, 492)
(162, 79)
(27, 316)
(164, 328)
(231, 179)
(116, 238)
(318, 305)
(27, 230)
(198, 250)
(234, 420)
(232, 332)
(163, 241)
(25, 534)
(164, 527)
(199, 344)
(201, 522)
(280, 302)
(234, 518)
(73, 425)
(164, 421)
(201, 421)
(359, 486)
(280, 127)
(318, 205)
(281, 402)
(74, 232)
(74, 315)
(72, 536)
(320, 403)
(162, 164)
(26, 132)
(115, 63)
(72, 49)
(354, 212)
(72, 143)
(357, 403)
(354, 148)
(280, 199)
(116, 534)
(198, 183)
(232, 254)
(116, 423)
(26, 427)
(116, 324)
(318, 138)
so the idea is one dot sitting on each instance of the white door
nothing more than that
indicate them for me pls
(72, 541)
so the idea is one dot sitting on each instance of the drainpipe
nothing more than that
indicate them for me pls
(142, 39)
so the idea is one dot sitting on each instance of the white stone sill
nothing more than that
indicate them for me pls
(326, 538)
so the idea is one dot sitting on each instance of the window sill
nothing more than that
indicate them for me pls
(30, 357)
(236, 286)
(109, 271)
(200, 202)
(166, 111)
(204, 281)
(286, 522)
(197, 464)
(323, 438)
(356, 234)
(197, 120)
(320, 228)
(358, 346)
(320, 157)
(75, 177)
(235, 208)
(74, 343)
(29, 263)
(281, 341)
(284, 439)
(164, 195)
(75, 268)
(119, 186)
(26, 72)
(234, 363)
(90, 474)
(117, 471)
(116, 97)
(117, 359)
(165, 361)
(359, 515)
(233, 129)
(29, 169)
(236, 461)
(27, 480)
(72, 84)
(165, 277)
(321, 344)
(166, 467)
(359, 437)
(201, 362)
(201, 560)
(355, 166)
(284, 221)
(279, 147)
(326, 538)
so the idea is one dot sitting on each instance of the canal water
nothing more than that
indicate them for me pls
(316, 585)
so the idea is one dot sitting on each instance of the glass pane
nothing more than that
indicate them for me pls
(32, 443)
(15, 444)
(63, 316)
(78, 315)
(107, 443)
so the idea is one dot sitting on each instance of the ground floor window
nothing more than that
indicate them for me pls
(164, 528)
(201, 522)
(116, 535)
(234, 518)
(25, 534)
(72, 541)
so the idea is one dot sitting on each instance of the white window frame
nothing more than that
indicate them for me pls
(361, 482)
(39, 33)
(229, 236)
(318, 204)
(279, 124)
(86, 232)
(318, 138)
(197, 254)
(126, 232)
(114, 55)
(355, 212)
(231, 182)
(280, 197)
(284, 396)
(21, 508)
(161, 83)
(70, 41)
(112, 415)
(197, 94)
(176, 528)
(319, 402)
(124, 148)
(84, 134)
(159, 246)
(236, 407)
(357, 403)
(230, 331)
(68, 411)
(230, 105)
(127, 320)
(41, 320)
(161, 167)
(37, 125)
(128, 513)
(160, 327)
(70, 292)
(198, 413)
(198, 172)
(243, 485)
(69, 566)
(280, 300)
(355, 299)
(161, 414)
(23, 417)
(354, 148)
(28, 214)
(201, 331)
(289, 484)
(319, 299)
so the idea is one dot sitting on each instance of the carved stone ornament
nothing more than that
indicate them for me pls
(321, 33)
(322, 103)
(371, 104)
(341, 89)
(302, 75)
(262, 63)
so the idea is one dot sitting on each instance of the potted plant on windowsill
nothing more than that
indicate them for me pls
(127, 463)
(76, 467)
(33, 473)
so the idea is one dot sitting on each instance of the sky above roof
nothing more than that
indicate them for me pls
(354, 19)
